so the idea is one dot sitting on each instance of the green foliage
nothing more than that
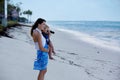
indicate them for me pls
(11, 7)
(22, 19)
(27, 12)
(1, 6)
(11, 23)
(1, 27)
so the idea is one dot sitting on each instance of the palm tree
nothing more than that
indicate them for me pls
(18, 7)
(28, 13)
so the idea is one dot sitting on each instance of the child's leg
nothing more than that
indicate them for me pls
(50, 53)
(52, 47)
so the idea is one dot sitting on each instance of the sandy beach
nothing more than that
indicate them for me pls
(75, 59)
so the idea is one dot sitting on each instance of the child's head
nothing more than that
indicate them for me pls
(46, 29)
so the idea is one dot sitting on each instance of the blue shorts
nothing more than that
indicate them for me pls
(42, 60)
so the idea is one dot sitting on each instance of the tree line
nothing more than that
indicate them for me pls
(14, 12)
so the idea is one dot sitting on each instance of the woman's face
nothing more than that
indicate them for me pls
(42, 25)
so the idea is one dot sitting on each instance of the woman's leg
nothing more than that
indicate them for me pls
(42, 74)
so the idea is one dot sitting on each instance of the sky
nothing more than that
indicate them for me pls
(73, 10)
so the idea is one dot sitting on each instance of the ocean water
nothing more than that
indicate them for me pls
(98, 32)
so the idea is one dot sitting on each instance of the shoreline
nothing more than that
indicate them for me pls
(70, 43)
(90, 40)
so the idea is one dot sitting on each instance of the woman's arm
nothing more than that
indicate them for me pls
(38, 37)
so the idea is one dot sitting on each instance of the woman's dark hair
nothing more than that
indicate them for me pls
(35, 25)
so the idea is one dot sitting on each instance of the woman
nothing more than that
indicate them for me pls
(41, 47)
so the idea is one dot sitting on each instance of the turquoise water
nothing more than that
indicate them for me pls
(104, 31)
